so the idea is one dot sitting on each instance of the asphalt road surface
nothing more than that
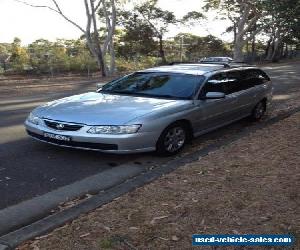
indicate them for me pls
(29, 168)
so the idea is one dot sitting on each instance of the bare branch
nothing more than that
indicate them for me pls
(151, 24)
(257, 31)
(98, 5)
(251, 24)
(37, 6)
(57, 10)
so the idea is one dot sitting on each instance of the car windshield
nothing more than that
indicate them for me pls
(164, 85)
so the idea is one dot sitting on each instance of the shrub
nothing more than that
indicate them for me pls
(129, 65)
(1, 71)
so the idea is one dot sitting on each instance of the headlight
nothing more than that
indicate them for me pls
(114, 130)
(33, 119)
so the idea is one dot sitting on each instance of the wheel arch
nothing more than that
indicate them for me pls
(187, 124)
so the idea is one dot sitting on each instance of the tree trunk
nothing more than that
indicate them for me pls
(247, 49)
(268, 47)
(238, 50)
(97, 53)
(253, 50)
(270, 51)
(161, 50)
(277, 44)
(281, 50)
(286, 51)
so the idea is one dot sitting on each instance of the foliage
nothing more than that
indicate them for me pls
(278, 19)
(60, 56)
(192, 18)
(158, 21)
(126, 65)
(19, 56)
(197, 47)
(137, 37)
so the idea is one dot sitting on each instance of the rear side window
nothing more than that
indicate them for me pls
(253, 77)
(262, 75)
(233, 82)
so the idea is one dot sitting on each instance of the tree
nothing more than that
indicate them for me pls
(47, 57)
(158, 20)
(19, 57)
(80, 58)
(245, 16)
(278, 19)
(4, 55)
(135, 37)
(197, 47)
(90, 31)
(285, 15)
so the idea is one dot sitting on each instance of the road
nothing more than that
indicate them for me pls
(29, 168)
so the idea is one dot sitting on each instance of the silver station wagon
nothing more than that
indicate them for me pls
(158, 109)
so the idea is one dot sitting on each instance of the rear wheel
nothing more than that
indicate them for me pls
(258, 111)
(172, 139)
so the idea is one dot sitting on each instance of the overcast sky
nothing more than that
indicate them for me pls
(30, 24)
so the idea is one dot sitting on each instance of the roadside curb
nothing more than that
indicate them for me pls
(47, 224)
(24, 213)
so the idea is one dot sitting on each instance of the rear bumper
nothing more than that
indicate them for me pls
(119, 144)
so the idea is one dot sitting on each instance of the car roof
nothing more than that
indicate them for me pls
(191, 69)
(195, 68)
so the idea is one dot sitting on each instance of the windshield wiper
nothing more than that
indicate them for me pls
(116, 92)
(163, 96)
(145, 95)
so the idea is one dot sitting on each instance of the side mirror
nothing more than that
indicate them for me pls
(215, 95)
(99, 85)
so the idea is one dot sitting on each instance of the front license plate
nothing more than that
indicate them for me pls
(57, 137)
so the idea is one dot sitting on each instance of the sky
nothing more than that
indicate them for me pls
(30, 24)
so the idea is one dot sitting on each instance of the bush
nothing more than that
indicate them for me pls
(126, 65)
(1, 71)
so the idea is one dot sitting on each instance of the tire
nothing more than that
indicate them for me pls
(173, 139)
(258, 111)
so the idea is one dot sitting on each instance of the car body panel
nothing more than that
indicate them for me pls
(154, 114)
(102, 109)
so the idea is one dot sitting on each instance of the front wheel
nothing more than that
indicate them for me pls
(172, 139)
(258, 111)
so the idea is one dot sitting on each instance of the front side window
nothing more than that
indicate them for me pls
(165, 85)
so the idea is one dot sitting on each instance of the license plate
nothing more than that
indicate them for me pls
(57, 137)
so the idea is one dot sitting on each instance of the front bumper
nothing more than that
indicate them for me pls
(120, 144)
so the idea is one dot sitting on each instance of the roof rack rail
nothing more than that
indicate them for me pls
(178, 62)
(226, 65)
(232, 64)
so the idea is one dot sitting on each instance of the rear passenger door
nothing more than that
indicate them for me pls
(238, 88)
(214, 113)
(250, 93)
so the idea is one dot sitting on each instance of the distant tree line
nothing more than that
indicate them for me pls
(116, 38)
(131, 51)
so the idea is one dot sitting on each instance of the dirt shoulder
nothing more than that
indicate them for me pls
(21, 87)
(250, 186)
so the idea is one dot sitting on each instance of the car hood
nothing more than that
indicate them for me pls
(102, 109)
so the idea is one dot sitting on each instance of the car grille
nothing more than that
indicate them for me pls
(62, 126)
(87, 145)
